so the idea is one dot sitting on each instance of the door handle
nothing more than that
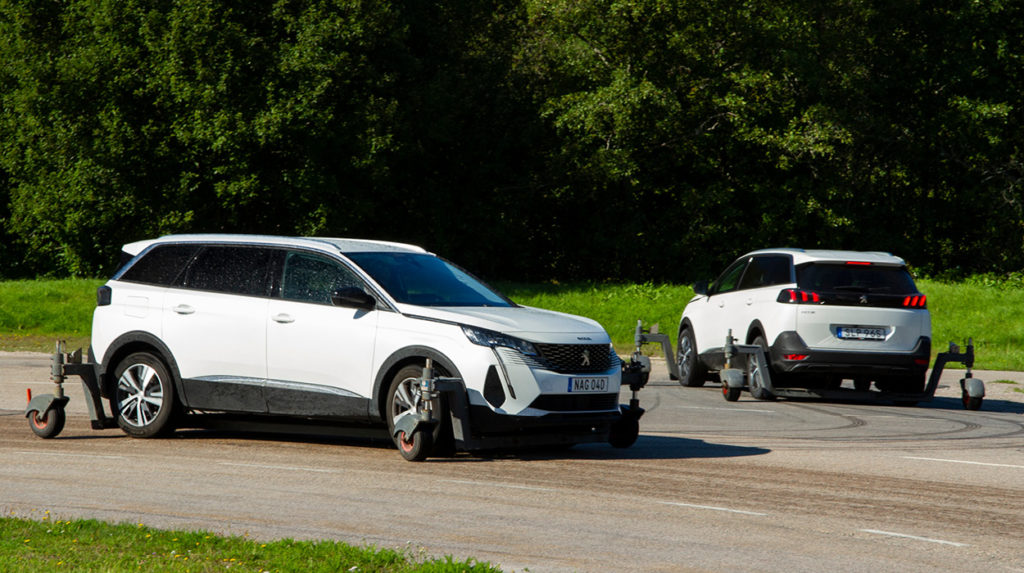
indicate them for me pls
(184, 309)
(283, 318)
(750, 301)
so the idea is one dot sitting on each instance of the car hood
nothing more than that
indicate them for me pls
(533, 324)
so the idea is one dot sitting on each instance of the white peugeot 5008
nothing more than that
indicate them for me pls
(821, 317)
(339, 331)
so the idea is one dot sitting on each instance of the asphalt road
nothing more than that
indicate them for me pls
(710, 486)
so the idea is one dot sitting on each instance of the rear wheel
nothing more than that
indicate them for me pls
(144, 396)
(692, 374)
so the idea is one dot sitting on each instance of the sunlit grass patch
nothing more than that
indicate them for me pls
(89, 545)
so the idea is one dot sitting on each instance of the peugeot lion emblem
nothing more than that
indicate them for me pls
(586, 358)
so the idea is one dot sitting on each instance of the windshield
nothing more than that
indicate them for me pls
(426, 280)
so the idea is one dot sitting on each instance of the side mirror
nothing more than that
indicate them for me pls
(700, 287)
(352, 297)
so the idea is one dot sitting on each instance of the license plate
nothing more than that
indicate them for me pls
(590, 384)
(860, 333)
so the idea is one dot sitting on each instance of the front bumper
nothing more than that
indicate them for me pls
(844, 362)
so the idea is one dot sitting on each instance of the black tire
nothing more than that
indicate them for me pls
(731, 394)
(624, 432)
(144, 396)
(49, 424)
(754, 378)
(403, 396)
(692, 374)
(971, 403)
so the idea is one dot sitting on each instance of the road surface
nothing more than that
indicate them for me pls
(786, 486)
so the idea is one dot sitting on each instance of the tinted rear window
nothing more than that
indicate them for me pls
(160, 266)
(823, 277)
(236, 270)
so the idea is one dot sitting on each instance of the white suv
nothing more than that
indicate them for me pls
(821, 316)
(339, 331)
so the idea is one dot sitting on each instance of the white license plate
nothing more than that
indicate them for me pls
(860, 333)
(589, 384)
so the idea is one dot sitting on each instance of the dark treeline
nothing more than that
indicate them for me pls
(524, 139)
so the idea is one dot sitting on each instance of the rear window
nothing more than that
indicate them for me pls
(160, 265)
(824, 277)
(230, 269)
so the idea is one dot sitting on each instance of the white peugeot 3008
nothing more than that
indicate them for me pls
(339, 330)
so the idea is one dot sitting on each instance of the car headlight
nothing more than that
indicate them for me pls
(485, 337)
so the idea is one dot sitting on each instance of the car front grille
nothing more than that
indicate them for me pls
(578, 358)
(580, 403)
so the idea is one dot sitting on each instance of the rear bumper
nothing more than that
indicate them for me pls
(847, 363)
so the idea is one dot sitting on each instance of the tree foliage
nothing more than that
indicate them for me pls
(526, 139)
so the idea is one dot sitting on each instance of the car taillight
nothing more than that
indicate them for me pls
(799, 296)
(915, 301)
(103, 295)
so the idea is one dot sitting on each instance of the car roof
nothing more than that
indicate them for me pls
(801, 256)
(330, 244)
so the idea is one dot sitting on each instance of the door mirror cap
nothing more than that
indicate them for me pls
(352, 297)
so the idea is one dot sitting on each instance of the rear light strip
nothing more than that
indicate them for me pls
(916, 301)
(797, 296)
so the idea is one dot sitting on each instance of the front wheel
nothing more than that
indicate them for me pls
(144, 396)
(692, 373)
(403, 400)
(49, 424)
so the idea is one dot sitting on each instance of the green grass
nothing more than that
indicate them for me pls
(88, 545)
(35, 313)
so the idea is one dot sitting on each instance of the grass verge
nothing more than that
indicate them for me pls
(89, 545)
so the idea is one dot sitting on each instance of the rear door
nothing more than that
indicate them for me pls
(215, 326)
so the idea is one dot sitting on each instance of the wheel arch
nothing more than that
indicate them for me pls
(753, 331)
(129, 343)
(398, 360)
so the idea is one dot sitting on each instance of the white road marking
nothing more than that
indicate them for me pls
(712, 508)
(495, 484)
(915, 538)
(727, 409)
(965, 462)
(287, 468)
(63, 455)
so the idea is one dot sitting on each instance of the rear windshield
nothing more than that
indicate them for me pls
(825, 277)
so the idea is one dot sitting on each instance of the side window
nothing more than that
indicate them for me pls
(160, 266)
(730, 279)
(766, 271)
(231, 269)
(312, 278)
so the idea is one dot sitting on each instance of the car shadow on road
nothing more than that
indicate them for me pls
(987, 405)
(646, 448)
(939, 403)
